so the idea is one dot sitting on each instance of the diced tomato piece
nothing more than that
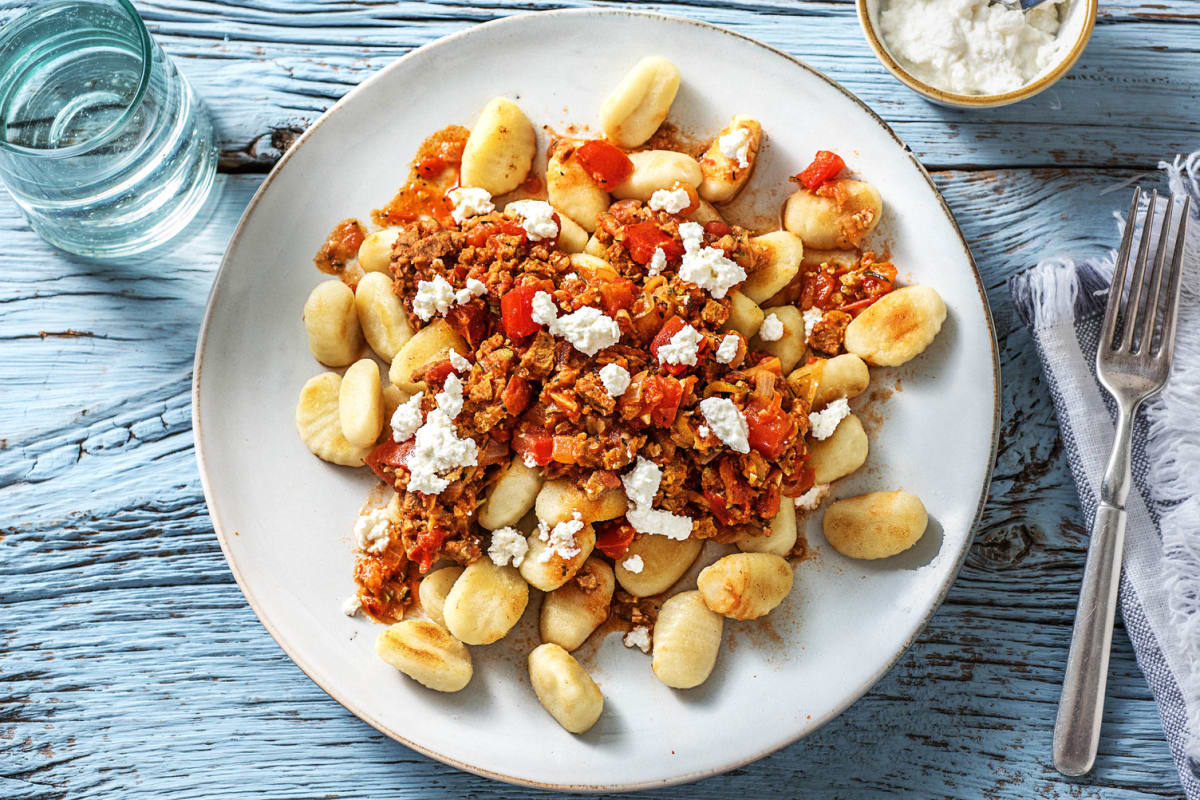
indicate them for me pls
(800, 481)
(616, 294)
(437, 372)
(567, 449)
(717, 228)
(430, 167)
(818, 291)
(516, 311)
(470, 321)
(425, 551)
(536, 447)
(857, 306)
(770, 428)
(613, 538)
(717, 505)
(671, 327)
(643, 238)
(388, 454)
(767, 504)
(662, 396)
(481, 233)
(516, 395)
(824, 167)
(607, 164)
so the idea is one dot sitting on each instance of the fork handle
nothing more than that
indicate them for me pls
(1077, 729)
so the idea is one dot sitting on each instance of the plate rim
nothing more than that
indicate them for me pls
(363, 713)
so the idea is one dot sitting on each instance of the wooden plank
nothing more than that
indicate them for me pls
(134, 668)
(276, 65)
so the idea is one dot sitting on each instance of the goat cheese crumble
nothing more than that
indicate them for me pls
(634, 564)
(638, 637)
(735, 146)
(670, 200)
(470, 201)
(450, 399)
(459, 361)
(772, 329)
(823, 423)
(474, 288)
(589, 330)
(683, 347)
(727, 350)
(373, 531)
(703, 431)
(811, 317)
(433, 297)
(351, 605)
(727, 422)
(508, 545)
(437, 449)
(406, 419)
(658, 262)
(707, 267)
(641, 485)
(615, 379)
(812, 499)
(537, 218)
(560, 540)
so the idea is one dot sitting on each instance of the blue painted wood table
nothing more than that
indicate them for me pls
(131, 666)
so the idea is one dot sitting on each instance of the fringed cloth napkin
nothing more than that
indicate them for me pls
(1062, 303)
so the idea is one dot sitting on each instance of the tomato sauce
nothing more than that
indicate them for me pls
(435, 171)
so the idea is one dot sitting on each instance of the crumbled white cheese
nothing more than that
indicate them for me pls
(638, 637)
(703, 431)
(351, 605)
(812, 499)
(671, 201)
(658, 262)
(707, 267)
(530, 461)
(406, 419)
(655, 520)
(470, 201)
(373, 531)
(544, 312)
(811, 317)
(571, 276)
(727, 350)
(642, 482)
(735, 146)
(433, 297)
(633, 564)
(823, 423)
(450, 399)
(727, 422)
(459, 362)
(437, 448)
(771, 329)
(615, 379)
(589, 330)
(560, 540)
(537, 218)
(683, 347)
(474, 288)
(508, 545)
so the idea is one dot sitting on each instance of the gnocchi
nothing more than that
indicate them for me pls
(780, 537)
(319, 423)
(570, 188)
(360, 403)
(500, 150)
(784, 251)
(640, 103)
(381, 315)
(842, 453)
(745, 585)
(558, 501)
(663, 562)
(427, 653)
(334, 335)
(841, 377)
(572, 612)
(790, 347)
(875, 525)
(564, 688)
(375, 252)
(687, 636)
(485, 602)
(825, 223)
(511, 496)
(898, 327)
(546, 567)
(430, 344)
(432, 591)
(657, 169)
(745, 316)
(728, 161)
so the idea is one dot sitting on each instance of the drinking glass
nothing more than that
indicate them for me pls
(103, 144)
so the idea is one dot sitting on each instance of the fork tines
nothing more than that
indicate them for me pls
(1144, 325)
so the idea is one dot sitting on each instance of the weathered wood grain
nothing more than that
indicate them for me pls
(133, 667)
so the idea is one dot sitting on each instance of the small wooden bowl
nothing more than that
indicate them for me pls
(1081, 17)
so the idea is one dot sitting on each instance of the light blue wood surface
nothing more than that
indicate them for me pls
(131, 666)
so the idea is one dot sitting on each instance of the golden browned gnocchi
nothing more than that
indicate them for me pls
(555, 553)
(687, 636)
(841, 453)
(745, 585)
(784, 251)
(381, 316)
(334, 335)
(427, 653)
(898, 327)
(574, 610)
(875, 525)
(427, 346)
(500, 149)
(728, 161)
(559, 500)
(432, 591)
(640, 103)
(511, 496)
(657, 169)
(319, 423)
(564, 688)
(570, 188)
(485, 602)
(841, 377)
(659, 563)
(780, 537)
(824, 223)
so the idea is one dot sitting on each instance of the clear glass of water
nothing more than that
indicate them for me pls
(103, 144)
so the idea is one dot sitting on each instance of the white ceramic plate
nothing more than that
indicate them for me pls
(284, 517)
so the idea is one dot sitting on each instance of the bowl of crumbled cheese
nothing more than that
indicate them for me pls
(977, 53)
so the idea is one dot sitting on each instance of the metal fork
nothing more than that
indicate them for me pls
(1137, 342)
